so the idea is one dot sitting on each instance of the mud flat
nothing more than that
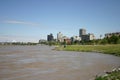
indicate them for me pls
(43, 63)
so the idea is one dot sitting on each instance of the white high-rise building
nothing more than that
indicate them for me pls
(59, 37)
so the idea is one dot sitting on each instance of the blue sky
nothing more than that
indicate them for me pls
(31, 20)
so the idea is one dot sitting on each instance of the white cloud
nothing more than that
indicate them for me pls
(20, 22)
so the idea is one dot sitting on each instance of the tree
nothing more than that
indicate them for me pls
(113, 39)
(104, 41)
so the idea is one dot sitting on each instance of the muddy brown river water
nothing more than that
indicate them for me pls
(43, 63)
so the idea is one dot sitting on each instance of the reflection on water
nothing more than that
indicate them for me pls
(41, 62)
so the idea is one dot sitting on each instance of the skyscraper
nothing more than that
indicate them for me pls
(82, 32)
(50, 37)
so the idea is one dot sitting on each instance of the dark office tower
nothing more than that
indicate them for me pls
(50, 37)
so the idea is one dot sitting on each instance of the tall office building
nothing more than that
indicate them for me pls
(50, 37)
(82, 32)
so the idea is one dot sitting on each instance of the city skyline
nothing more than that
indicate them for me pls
(32, 20)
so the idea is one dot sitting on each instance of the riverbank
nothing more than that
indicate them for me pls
(112, 75)
(113, 49)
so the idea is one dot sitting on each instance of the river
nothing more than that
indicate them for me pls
(43, 63)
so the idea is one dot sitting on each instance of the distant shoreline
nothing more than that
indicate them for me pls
(106, 49)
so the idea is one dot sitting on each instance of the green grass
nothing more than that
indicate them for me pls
(107, 49)
(113, 76)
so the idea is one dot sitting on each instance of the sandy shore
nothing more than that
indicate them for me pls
(43, 63)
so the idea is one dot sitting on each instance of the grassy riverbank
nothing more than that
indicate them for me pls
(107, 49)
(114, 75)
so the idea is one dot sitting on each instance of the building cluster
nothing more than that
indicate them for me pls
(108, 35)
(83, 36)
(61, 37)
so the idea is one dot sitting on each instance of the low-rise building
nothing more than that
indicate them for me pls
(75, 38)
(88, 37)
(108, 35)
(42, 41)
(91, 36)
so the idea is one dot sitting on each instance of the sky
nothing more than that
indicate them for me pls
(31, 20)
